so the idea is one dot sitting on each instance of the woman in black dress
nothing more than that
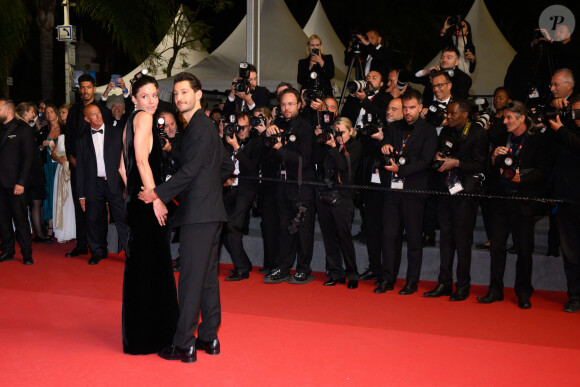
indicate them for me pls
(316, 62)
(150, 308)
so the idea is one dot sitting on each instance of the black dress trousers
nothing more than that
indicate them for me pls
(13, 208)
(568, 217)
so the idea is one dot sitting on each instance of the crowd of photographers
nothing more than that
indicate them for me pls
(386, 149)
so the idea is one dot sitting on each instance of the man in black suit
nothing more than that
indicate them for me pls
(16, 153)
(374, 101)
(204, 166)
(374, 55)
(463, 149)
(75, 127)
(416, 141)
(529, 153)
(98, 155)
(254, 97)
(448, 62)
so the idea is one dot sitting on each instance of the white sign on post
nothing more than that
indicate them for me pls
(66, 33)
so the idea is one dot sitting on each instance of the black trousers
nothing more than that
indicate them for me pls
(402, 211)
(373, 204)
(80, 216)
(198, 285)
(335, 225)
(297, 247)
(13, 208)
(456, 221)
(568, 217)
(237, 206)
(270, 223)
(97, 221)
(515, 217)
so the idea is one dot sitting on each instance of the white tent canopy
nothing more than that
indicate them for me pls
(282, 44)
(191, 57)
(493, 52)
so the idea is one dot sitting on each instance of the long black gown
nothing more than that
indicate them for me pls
(150, 309)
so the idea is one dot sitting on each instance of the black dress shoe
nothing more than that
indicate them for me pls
(28, 260)
(76, 252)
(368, 275)
(572, 306)
(410, 288)
(524, 303)
(439, 290)
(276, 276)
(45, 240)
(173, 352)
(210, 347)
(461, 294)
(7, 256)
(352, 284)
(428, 240)
(94, 260)
(384, 286)
(333, 281)
(237, 276)
(491, 296)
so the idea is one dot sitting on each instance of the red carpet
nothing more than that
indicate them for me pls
(60, 324)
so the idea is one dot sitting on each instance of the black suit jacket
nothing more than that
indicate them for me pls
(460, 88)
(16, 153)
(377, 105)
(419, 150)
(325, 73)
(205, 165)
(249, 157)
(86, 171)
(260, 96)
(382, 59)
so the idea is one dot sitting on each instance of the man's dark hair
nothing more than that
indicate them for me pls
(375, 30)
(252, 68)
(463, 105)
(87, 78)
(142, 81)
(412, 94)
(185, 76)
(167, 112)
(443, 73)
(290, 90)
(451, 49)
(501, 88)
(242, 115)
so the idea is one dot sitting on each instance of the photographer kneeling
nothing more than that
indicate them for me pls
(462, 154)
(340, 157)
(522, 167)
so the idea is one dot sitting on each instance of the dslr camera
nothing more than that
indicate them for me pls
(455, 22)
(508, 163)
(448, 149)
(542, 113)
(356, 43)
(242, 85)
(481, 112)
(285, 135)
(397, 158)
(163, 138)
(139, 75)
(326, 122)
(257, 120)
(436, 114)
(357, 86)
(314, 93)
(230, 125)
(370, 125)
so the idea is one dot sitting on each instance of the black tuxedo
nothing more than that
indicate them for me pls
(97, 190)
(382, 59)
(461, 83)
(204, 167)
(402, 209)
(325, 74)
(16, 155)
(376, 104)
(260, 96)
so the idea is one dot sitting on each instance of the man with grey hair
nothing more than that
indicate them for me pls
(562, 87)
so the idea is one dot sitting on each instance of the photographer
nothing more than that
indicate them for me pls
(239, 195)
(370, 49)
(397, 82)
(562, 88)
(340, 157)
(410, 145)
(171, 150)
(251, 97)
(316, 62)
(293, 140)
(521, 168)
(366, 97)
(449, 61)
(456, 32)
(462, 154)
(566, 175)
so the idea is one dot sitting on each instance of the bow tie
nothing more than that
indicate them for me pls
(93, 131)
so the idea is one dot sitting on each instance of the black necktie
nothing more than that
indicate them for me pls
(93, 131)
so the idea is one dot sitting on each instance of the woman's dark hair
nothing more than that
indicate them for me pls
(142, 81)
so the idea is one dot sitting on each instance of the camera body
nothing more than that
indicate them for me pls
(326, 122)
(285, 135)
(230, 125)
(356, 43)
(447, 149)
(257, 120)
(163, 137)
(543, 113)
(370, 125)
(455, 22)
(242, 85)
(384, 160)
(314, 93)
(481, 112)
(508, 163)
(436, 114)
(298, 219)
(139, 75)
(358, 86)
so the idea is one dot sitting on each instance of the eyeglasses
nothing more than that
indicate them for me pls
(439, 85)
(243, 127)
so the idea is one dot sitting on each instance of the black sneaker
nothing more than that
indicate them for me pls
(301, 278)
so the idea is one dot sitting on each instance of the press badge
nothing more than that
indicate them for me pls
(397, 183)
(375, 177)
(283, 172)
(453, 183)
(534, 93)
